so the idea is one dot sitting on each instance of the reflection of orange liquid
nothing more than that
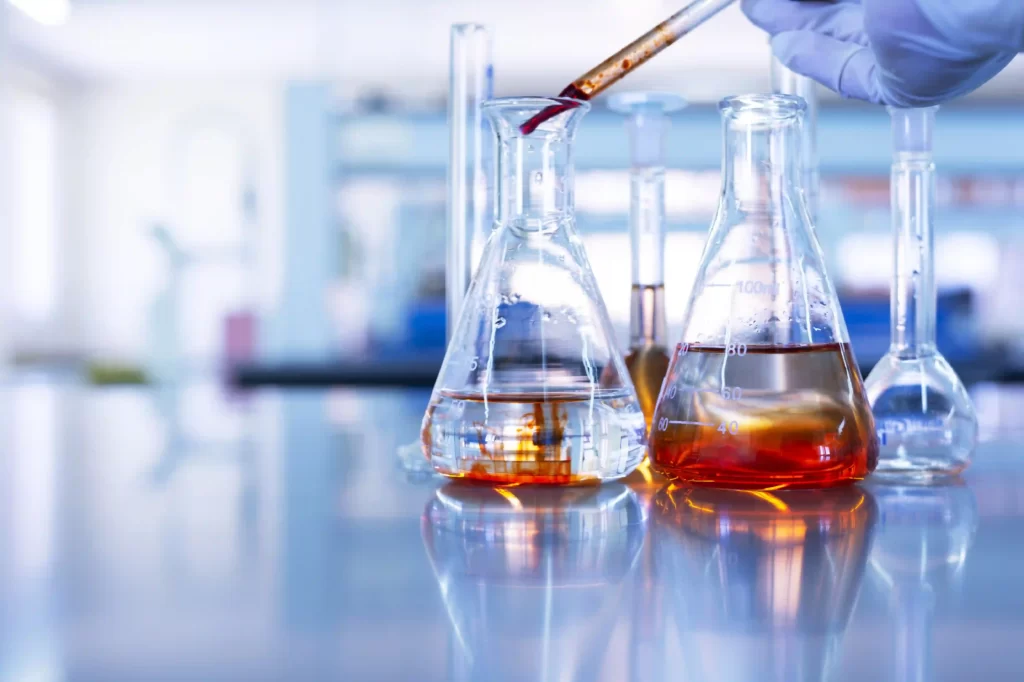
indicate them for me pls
(794, 558)
(764, 417)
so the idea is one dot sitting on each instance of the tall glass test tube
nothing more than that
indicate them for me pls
(648, 126)
(926, 421)
(787, 82)
(469, 85)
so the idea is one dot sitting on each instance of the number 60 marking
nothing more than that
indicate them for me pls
(663, 423)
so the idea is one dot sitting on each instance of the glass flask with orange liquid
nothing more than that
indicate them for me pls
(647, 125)
(763, 390)
(533, 388)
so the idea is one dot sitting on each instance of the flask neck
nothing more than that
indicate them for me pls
(913, 299)
(761, 163)
(535, 180)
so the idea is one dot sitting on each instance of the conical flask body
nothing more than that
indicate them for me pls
(763, 390)
(533, 388)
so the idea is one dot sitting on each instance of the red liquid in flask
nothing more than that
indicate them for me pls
(764, 417)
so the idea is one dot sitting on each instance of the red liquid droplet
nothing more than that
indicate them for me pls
(548, 113)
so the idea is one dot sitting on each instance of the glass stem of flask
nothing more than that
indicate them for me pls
(535, 180)
(647, 234)
(913, 300)
(761, 178)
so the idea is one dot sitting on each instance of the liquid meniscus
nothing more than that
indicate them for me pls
(534, 437)
(759, 417)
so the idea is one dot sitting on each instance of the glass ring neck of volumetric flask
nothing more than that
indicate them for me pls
(763, 391)
(533, 388)
(927, 426)
(647, 124)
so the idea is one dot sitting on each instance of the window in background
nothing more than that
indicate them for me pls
(34, 125)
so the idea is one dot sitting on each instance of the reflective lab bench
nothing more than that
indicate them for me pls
(279, 535)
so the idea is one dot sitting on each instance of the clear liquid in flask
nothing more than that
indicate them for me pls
(542, 438)
(762, 417)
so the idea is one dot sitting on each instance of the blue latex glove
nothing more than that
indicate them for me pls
(906, 53)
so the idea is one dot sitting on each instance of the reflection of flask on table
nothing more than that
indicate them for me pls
(532, 577)
(919, 552)
(648, 125)
(763, 584)
(926, 420)
(533, 388)
(763, 391)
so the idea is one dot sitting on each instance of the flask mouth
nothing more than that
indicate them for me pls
(526, 115)
(531, 105)
(759, 108)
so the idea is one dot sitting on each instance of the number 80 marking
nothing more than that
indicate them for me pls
(736, 349)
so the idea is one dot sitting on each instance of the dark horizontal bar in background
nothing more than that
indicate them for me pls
(990, 365)
(404, 373)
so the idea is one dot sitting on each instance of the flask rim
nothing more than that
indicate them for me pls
(534, 104)
(764, 107)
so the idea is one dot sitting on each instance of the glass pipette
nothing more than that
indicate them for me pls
(631, 56)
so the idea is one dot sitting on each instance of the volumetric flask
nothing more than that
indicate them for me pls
(763, 390)
(648, 125)
(926, 421)
(533, 388)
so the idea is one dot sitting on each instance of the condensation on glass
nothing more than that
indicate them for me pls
(927, 426)
(763, 390)
(533, 388)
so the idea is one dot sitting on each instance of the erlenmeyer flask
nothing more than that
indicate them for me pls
(763, 390)
(533, 388)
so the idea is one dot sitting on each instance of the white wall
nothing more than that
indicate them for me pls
(130, 150)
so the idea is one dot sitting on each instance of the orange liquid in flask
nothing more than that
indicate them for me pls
(538, 438)
(760, 417)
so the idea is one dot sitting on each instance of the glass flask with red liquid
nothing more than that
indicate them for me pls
(763, 391)
(533, 388)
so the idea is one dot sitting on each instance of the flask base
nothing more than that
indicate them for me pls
(534, 438)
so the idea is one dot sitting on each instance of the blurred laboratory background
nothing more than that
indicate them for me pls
(202, 196)
(259, 187)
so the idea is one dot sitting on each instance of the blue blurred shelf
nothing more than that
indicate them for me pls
(850, 140)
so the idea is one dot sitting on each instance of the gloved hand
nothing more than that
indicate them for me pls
(906, 53)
